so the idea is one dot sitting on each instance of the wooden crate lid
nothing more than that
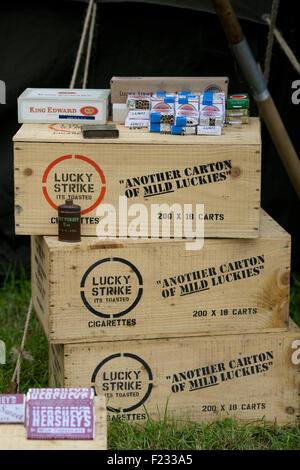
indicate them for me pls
(269, 229)
(248, 134)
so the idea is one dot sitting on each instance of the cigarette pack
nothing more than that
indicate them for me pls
(212, 109)
(136, 123)
(186, 121)
(237, 112)
(138, 101)
(237, 119)
(164, 118)
(183, 130)
(138, 114)
(119, 112)
(187, 105)
(47, 105)
(163, 103)
(12, 408)
(159, 127)
(209, 130)
(238, 101)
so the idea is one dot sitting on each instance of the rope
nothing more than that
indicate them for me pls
(284, 45)
(267, 67)
(16, 375)
(81, 43)
(15, 381)
(89, 48)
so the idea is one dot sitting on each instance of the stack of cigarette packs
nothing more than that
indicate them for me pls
(237, 109)
(138, 110)
(186, 113)
(162, 115)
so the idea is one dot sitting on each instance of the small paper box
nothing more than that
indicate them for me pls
(12, 408)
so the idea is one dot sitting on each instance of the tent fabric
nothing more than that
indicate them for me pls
(250, 10)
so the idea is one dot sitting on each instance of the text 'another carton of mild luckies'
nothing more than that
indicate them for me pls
(167, 176)
(136, 289)
(207, 378)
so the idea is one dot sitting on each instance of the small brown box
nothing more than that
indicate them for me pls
(126, 289)
(122, 86)
(208, 378)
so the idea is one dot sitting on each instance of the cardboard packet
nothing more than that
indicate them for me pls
(183, 130)
(158, 127)
(12, 408)
(138, 101)
(238, 101)
(209, 130)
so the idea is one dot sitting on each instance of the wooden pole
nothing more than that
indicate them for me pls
(264, 101)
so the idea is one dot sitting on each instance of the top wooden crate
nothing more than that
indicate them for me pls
(53, 162)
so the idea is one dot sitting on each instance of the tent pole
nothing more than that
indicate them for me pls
(264, 101)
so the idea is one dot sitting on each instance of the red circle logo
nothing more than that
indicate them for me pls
(239, 96)
(89, 110)
(80, 178)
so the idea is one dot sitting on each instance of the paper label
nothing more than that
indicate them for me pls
(12, 408)
(41, 111)
(52, 420)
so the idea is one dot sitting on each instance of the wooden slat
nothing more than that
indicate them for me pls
(121, 290)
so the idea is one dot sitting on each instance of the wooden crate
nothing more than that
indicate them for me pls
(125, 289)
(53, 162)
(206, 378)
(13, 436)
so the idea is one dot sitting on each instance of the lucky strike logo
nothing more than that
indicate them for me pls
(76, 177)
(111, 287)
(123, 378)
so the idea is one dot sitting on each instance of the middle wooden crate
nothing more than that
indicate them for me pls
(125, 289)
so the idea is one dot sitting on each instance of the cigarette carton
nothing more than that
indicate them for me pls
(47, 105)
(238, 101)
(212, 109)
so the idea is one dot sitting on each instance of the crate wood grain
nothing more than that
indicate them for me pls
(125, 289)
(13, 436)
(54, 162)
(246, 377)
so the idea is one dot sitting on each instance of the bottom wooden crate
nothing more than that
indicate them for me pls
(246, 377)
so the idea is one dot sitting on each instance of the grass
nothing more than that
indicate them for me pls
(156, 435)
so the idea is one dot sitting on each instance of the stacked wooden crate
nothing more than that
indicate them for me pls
(148, 321)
